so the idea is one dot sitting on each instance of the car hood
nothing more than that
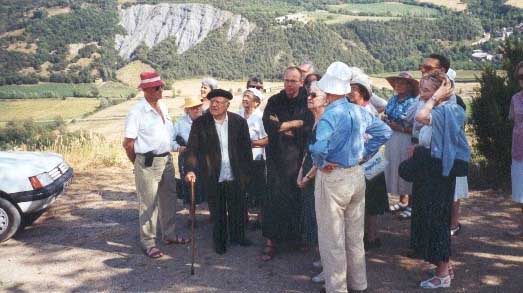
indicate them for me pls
(17, 167)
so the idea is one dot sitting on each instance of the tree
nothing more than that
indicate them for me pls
(490, 111)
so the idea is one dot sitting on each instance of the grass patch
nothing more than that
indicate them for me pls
(46, 109)
(336, 18)
(116, 90)
(383, 9)
(63, 90)
(47, 90)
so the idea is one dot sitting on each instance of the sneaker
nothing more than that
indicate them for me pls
(319, 278)
(317, 264)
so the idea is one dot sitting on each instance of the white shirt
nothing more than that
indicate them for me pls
(256, 130)
(146, 127)
(223, 136)
(182, 127)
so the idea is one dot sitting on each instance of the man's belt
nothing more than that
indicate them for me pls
(149, 157)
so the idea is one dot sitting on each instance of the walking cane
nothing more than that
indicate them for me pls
(193, 218)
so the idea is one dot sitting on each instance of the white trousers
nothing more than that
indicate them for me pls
(340, 211)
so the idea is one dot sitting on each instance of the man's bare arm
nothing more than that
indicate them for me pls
(128, 145)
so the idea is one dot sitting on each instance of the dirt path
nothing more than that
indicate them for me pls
(87, 241)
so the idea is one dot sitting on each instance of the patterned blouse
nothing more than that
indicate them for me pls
(516, 114)
(396, 110)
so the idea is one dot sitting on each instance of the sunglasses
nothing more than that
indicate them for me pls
(158, 88)
(427, 67)
(520, 77)
(258, 87)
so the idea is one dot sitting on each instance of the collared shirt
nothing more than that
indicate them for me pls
(182, 127)
(340, 135)
(396, 110)
(146, 127)
(223, 135)
(256, 130)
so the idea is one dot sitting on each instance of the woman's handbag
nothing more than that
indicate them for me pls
(375, 165)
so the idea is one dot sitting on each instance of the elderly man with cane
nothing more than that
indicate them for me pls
(148, 137)
(339, 150)
(220, 147)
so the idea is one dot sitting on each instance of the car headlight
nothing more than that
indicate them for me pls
(40, 180)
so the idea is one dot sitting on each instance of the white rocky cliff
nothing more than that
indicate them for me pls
(188, 23)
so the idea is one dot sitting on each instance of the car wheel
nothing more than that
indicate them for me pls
(9, 220)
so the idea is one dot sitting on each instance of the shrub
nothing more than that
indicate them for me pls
(489, 116)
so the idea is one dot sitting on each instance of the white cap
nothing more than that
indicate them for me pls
(451, 74)
(256, 92)
(336, 79)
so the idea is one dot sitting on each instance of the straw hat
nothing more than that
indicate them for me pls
(192, 102)
(150, 79)
(336, 79)
(414, 84)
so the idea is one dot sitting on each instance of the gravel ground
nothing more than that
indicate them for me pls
(87, 241)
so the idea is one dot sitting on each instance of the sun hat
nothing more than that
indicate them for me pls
(150, 79)
(414, 84)
(192, 102)
(363, 80)
(255, 92)
(336, 79)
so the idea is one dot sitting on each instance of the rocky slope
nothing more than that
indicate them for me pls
(188, 23)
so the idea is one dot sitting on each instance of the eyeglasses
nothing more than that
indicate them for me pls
(213, 101)
(313, 95)
(290, 81)
(425, 67)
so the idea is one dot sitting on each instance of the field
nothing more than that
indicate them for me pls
(457, 5)
(46, 109)
(61, 90)
(336, 18)
(383, 9)
(515, 3)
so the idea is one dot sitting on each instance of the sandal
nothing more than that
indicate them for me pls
(436, 282)
(153, 252)
(455, 230)
(406, 214)
(268, 253)
(177, 240)
(398, 207)
(451, 272)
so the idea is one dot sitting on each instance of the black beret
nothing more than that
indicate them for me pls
(219, 93)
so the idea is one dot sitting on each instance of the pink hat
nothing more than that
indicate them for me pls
(150, 79)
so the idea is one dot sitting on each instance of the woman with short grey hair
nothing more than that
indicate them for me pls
(208, 84)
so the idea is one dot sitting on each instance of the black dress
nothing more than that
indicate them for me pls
(310, 226)
(282, 206)
(432, 204)
(376, 198)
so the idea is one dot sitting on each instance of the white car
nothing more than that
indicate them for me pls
(29, 183)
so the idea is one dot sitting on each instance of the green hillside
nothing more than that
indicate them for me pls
(36, 38)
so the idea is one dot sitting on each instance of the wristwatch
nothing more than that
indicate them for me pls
(434, 98)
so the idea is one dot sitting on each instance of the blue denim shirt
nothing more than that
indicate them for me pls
(449, 141)
(340, 135)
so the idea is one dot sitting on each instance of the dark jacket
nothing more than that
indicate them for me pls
(203, 151)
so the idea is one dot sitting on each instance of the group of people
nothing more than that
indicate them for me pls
(312, 162)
